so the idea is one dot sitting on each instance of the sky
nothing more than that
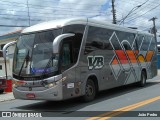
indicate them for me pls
(17, 14)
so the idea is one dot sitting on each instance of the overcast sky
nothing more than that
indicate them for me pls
(15, 12)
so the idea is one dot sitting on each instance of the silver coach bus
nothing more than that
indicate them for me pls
(68, 58)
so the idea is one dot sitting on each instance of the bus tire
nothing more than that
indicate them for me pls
(90, 91)
(142, 83)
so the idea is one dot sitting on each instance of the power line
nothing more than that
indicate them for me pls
(14, 26)
(135, 14)
(48, 9)
(26, 19)
(134, 2)
(143, 13)
(52, 2)
(39, 6)
(20, 19)
(149, 5)
(132, 10)
(44, 13)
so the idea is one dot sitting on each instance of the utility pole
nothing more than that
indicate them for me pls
(28, 14)
(114, 12)
(154, 30)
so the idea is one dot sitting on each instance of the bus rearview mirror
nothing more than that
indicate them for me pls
(4, 54)
(58, 40)
(5, 48)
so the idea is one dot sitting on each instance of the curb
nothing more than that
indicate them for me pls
(6, 97)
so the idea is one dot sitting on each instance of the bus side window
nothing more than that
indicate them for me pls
(70, 50)
(97, 39)
(135, 44)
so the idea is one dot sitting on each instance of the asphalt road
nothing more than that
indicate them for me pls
(129, 98)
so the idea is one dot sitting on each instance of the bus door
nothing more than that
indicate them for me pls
(67, 69)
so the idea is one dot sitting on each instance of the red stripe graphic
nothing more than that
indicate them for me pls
(122, 57)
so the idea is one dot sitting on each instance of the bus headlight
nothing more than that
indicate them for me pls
(14, 85)
(17, 83)
(61, 80)
(49, 85)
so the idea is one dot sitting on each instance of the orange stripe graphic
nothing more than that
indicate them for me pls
(149, 56)
(115, 61)
(131, 56)
(136, 52)
(141, 58)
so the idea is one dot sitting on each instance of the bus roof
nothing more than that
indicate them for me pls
(54, 24)
(63, 22)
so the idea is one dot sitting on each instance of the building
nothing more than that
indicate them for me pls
(4, 39)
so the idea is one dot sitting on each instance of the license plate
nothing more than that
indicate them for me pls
(30, 95)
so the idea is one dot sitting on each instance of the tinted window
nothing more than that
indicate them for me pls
(71, 46)
(135, 44)
(76, 40)
(140, 40)
(116, 43)
(126, 46)
(126, 36)
(145, 43)
(129, 37)
(66, 55)
(152, 44)
(98, 38)
(77, 29)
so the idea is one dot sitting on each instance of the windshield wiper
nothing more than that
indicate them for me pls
(26, 59)
(47, 66)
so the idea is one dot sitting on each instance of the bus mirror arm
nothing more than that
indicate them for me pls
(5, 48)
(58, 40)
(4, 54)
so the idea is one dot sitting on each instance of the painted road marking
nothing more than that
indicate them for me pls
(123, 109)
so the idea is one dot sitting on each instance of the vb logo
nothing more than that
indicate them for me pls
(95, 62)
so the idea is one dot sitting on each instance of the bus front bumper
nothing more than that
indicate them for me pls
(53, 93)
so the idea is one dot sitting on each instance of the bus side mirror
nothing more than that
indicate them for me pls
(5, 48)
(58, 40)
(4, 54)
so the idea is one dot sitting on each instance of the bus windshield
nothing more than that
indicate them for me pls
(34, 54)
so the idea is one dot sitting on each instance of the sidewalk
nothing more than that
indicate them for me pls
(6, 96)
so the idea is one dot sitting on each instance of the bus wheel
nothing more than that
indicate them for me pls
(142, 83)
(90, 91)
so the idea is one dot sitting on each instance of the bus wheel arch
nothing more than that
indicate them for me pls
(91, 88)
(95, 80)
(143, 76)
